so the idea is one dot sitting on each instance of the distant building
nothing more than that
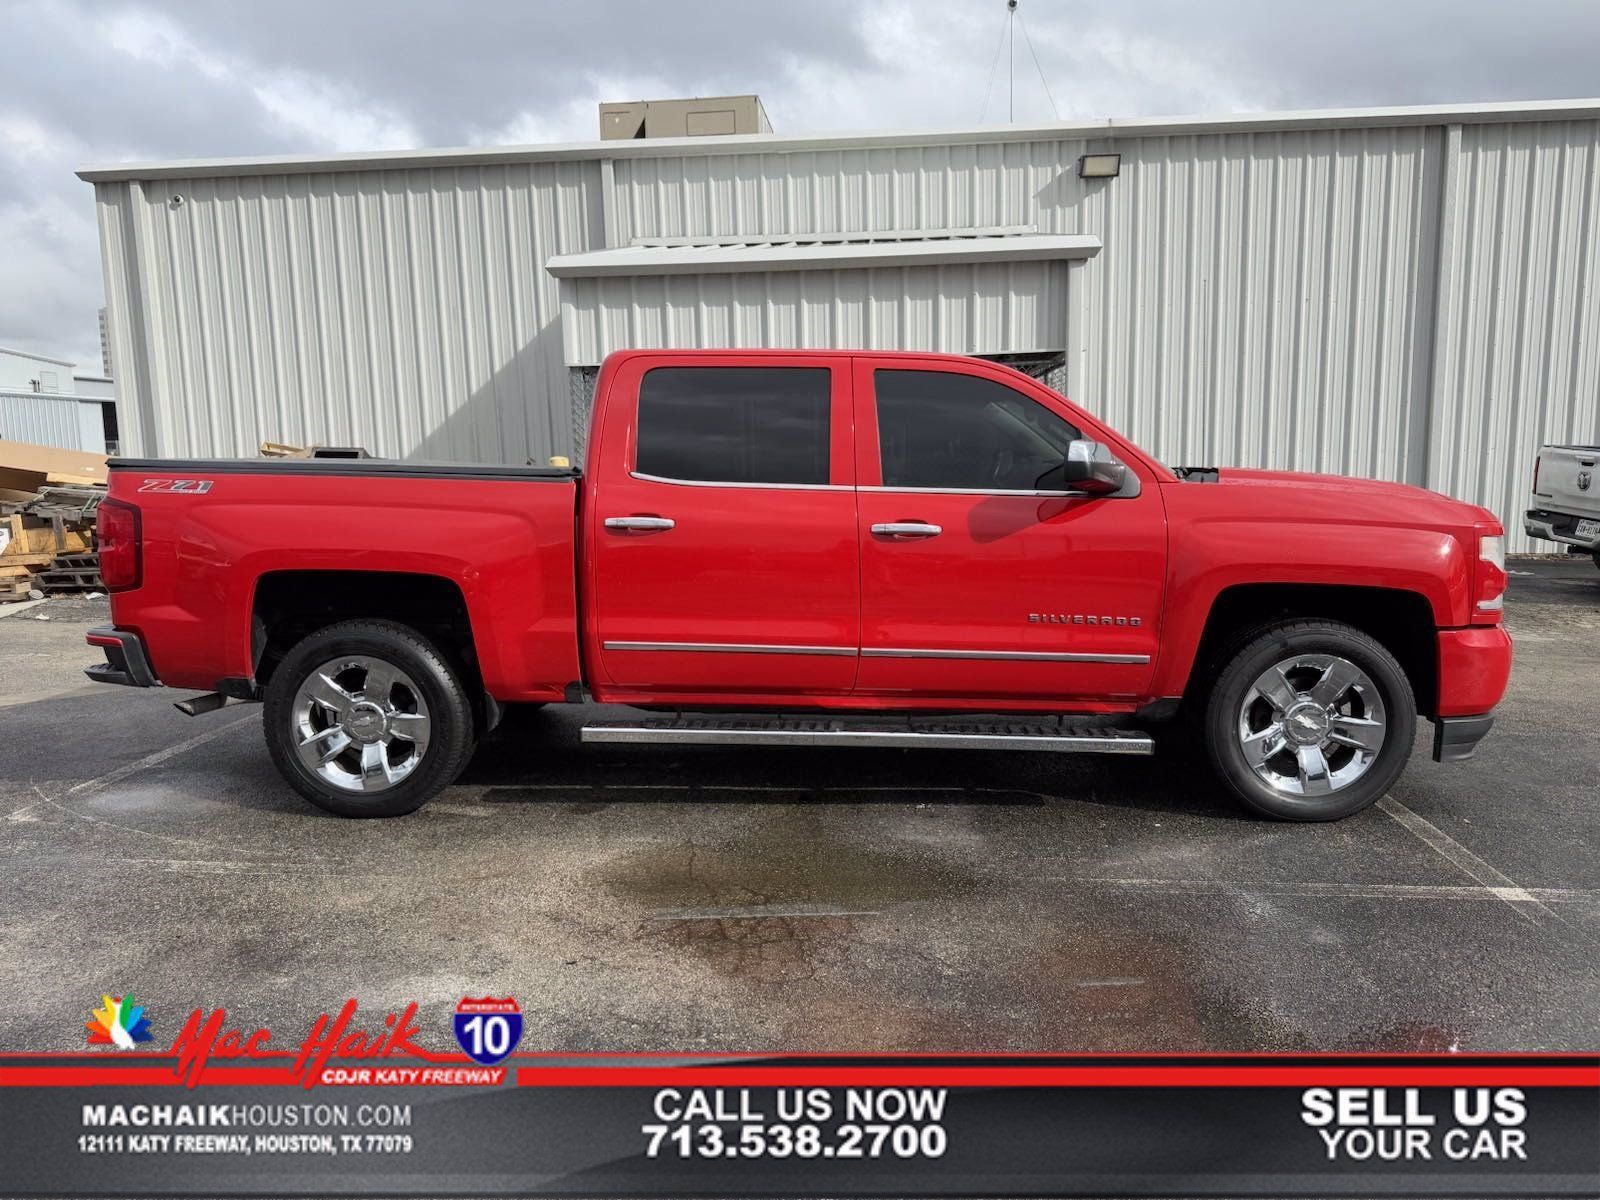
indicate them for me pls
(44, 401)
(99, 386)
(21, 371)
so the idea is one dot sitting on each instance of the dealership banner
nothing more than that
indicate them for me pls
(358, 1103)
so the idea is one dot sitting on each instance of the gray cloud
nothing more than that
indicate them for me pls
(91, 83)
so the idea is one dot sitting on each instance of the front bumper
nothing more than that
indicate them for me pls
(1474, 667)
(1557, 527)
(1457, 738)
(126, 662)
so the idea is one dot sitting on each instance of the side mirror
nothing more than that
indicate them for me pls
(1092, 468)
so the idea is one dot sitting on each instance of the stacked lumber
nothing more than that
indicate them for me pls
(48, 499)
(285, 450)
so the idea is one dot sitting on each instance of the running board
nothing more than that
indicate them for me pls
(1053, 735)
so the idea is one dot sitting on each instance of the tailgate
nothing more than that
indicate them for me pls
(1569, 480)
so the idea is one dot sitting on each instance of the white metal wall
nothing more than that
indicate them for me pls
(62, 421)
(1413, 302)
(1517, 360)
(1259, 300)
(405, 311)
(984, 308)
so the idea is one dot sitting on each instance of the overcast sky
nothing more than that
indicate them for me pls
(92, 83)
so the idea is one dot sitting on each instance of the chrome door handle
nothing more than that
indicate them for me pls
(641, 524)
(907, 529)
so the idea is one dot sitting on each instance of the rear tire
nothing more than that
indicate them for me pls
(367, 719)
(1310, 721)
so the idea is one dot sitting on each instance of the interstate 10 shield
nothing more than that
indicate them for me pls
(488, 1029)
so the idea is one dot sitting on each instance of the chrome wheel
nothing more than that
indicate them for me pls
(1312, 724)
(361, 723)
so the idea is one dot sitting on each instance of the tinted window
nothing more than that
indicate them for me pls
(735, 424)
(937, 430)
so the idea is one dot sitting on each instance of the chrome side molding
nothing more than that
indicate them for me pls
(1004, 655)
(825, 733)
(880, 652)
(728, 648)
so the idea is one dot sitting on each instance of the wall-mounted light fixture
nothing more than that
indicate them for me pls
(1099, 166)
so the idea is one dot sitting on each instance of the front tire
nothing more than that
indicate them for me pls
(367, 719)
(1310, 721)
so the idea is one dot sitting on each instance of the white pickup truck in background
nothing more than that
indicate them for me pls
(1566, 498)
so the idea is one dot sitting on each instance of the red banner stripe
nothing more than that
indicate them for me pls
(1290, 1076)
(1156, 1076)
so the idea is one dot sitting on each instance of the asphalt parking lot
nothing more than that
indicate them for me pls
(641, 898)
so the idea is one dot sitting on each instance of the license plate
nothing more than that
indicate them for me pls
(1587, 530)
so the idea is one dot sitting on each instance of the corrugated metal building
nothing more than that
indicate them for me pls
(44, 419)
(1408, 294)
(43, 401)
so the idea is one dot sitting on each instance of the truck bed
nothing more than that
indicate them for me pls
(1567, 480)
(216, 532)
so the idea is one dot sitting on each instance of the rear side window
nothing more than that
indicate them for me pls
(941, 430)
(735, 424)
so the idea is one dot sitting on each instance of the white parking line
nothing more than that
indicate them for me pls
(159, 757)
(757, 911)
(1349, 891)
(1502, 885)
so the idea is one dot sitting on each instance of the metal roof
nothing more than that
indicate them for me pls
(60, 362)
(719, 257)
(1105, 129)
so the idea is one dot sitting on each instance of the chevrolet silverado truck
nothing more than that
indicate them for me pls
(814, 549)
(1566, 498)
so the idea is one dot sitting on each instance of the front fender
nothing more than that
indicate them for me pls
(1209, 557)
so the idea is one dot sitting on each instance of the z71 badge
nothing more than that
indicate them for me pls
(196, 486)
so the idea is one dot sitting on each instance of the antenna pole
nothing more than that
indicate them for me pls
(1011, 85)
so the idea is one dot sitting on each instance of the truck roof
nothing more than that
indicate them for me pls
(791, 352)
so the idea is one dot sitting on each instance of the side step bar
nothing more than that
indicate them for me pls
(1055, 736)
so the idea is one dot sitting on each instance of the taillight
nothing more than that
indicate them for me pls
(117, 532)
(1491, 574)
(1537, 463)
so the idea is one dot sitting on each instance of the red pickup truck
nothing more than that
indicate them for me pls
(814, 548)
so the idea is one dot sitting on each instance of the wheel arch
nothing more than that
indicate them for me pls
(290, 605)
(1401, 621)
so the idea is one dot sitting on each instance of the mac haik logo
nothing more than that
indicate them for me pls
(205, 1038)
(119, 1022)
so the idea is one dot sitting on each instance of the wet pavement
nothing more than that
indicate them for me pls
(641, 898)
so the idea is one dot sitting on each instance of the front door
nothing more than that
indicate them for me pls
(721, 528)
(981, 576)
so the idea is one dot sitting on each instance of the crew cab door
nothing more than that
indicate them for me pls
(978, 579)
(721, 527)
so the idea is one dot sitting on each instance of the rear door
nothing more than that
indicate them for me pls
(722, 546)
(979, 580)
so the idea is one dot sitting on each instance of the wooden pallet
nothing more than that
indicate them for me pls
(16, 575)
(70, 573)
